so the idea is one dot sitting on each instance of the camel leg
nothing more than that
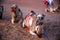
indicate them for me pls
(23, 24)
(32, 32)
(12, 20)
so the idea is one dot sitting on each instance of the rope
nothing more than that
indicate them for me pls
(45, 34)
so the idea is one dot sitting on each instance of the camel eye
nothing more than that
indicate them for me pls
(42, 18)
(37, 28)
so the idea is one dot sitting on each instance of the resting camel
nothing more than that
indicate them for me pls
(16, 14)
(34, 23)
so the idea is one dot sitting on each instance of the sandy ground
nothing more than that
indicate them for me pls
(15, 32)
(9, 31)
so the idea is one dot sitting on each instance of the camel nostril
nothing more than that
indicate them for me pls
(35, 32)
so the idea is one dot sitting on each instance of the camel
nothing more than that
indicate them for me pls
(34, 23)
(16, 14)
